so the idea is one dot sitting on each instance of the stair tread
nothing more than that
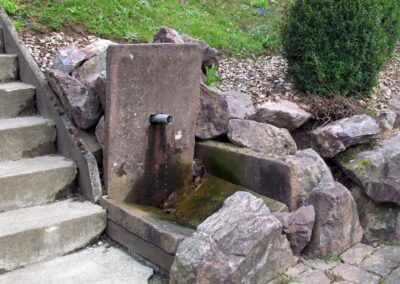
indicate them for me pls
(8, 55)
(15, 86)
(22, 122)
(20, 220)
(30, 165)
(101, 264)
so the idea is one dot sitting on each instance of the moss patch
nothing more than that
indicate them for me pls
(345, 158)
(192, 206)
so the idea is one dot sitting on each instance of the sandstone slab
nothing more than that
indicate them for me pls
(241, 243)
(356, 254)
(313, 277)
(337, 225)
(100, 132)
(338, 135)
(148, 161)
(288, 179)
(261, 137)
(354, 274)
(17, 99)
(82, 105)
(217, 108)
(378, 265)
(394, 277)
(9, 67)
(283, 114)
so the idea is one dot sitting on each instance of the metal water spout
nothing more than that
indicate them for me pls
(162, 118)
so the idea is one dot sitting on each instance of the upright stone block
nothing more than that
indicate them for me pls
(1, 40)
(145, 162)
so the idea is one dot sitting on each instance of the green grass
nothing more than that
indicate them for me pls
(236, 27)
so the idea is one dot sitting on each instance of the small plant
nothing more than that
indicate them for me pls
(382, 280)
(363, 163)
(333, 257)
(333, 277)
(286, 279)
(211, 79)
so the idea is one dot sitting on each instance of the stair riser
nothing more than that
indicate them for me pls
(35, 188)
(8, 68)
(43, 243)
(27, 142)
(17, 103)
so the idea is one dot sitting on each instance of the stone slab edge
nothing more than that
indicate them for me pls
(163, 234)
(138, 246)
(69, 141)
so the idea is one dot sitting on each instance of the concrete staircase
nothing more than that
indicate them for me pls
(37, 220)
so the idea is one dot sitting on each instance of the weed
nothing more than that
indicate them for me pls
(211, 79)
(361, 164)
(286, 279)
(333, 257)
(333, 277)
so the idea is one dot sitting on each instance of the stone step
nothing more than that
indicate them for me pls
(34, 234)
(34, 181)
(16, 99)
(26, 137)
(8, 67)
(100, 264)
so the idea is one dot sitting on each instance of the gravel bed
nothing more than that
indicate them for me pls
(263, 78)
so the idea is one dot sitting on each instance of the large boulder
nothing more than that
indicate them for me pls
(298, 227)
(261, 137)
(376, 169)
(240, 243)
(68, 58)
(380, 222)
(337, 136)
(82, 105)
(337, 225)
(217, 108)
(307, 170)
(167, 35)
(282, 114)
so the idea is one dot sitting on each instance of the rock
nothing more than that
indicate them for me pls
(394, 103)
(261, 137)
(241, 243)
(380, 222)
(82, 105)
(391, 253)
(320, 264)
(216, 109)
(308, 170)
(376, 169)
(97, 84)
(100, 134)
(313, 277)
(337, 225)
(167, 35)
(298, 227)
(356, 254)
(354, 274)
(68, 58)
(283, 114)
(394, 277)
(99, 46)
(378, 265)
(337, 136)
(389, 120)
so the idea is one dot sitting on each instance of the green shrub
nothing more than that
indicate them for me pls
(338, 47)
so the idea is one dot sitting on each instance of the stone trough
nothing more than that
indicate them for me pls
(149, 163)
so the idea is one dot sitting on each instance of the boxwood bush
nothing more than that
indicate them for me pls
(338, 47)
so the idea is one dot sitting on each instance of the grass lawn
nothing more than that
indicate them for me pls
(236, 27)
